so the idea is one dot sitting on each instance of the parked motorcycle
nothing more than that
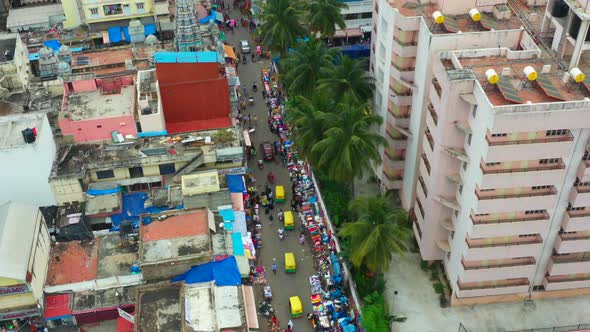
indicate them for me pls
(260, 164)
(281, 234)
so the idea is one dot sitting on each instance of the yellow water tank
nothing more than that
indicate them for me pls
(475, 15)
(492, 76)
(438, 17)
(577, 75)
(530, 73)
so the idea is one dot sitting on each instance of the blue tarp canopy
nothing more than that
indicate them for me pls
(240, 223)
(227, 214)
(235, 183)
(115, 34)
(52, 44)
(126, 34)
(224, 272)
(98, 192)
(150, 29)
(357, 50)
(133, 206)
(186, 57)
(237, 244)
(213, 16)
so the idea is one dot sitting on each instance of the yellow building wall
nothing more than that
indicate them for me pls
(17, 301)
(148, 7)
(67, 190)
(72, 13)
(10, 282)
(151, 170)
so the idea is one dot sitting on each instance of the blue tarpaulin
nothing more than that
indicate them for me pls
(224, 272)
(152, 133)
(98, 192)
(133, 206)
(227, 214)
(357, 50)
(237, 245)
(150, 29)
(240, 223)
(52, 44)
(235, 183)
(126, 34)
(115, 34)
(186, 57)
(213, 16)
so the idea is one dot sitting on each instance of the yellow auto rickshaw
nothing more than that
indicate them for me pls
(289, 222)
(296, 307)
(290, 264)
(280, 194)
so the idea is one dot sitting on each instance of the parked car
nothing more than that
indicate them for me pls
(267, 151)
(245, 46)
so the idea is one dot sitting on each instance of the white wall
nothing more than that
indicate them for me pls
(39, 260)
(25, 169)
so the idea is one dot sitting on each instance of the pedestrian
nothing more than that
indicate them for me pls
(280, 215)
(254, 118)
(290, 325)
(253, 151)
(274, 267)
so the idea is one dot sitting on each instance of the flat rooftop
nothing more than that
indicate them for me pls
(463, 22)
(182, 233)
(11, 128)
(103, 298)
(103, 205)
(527, 90)
(76, 159)
(77, 261)
(97, 104)
(158, 308)
(416, 300)
(7, 47)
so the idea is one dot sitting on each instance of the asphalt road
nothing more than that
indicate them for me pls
(283, 285)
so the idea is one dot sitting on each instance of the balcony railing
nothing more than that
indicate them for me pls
(569, 279)
(504, 243)
(392, 156)
(405, 43)
(423, 185)
(513, 262)
(426, 163)
(430, 141)
(398, 115)
(583, 189)
(543, 192)
(528, 217)
(578, 213)
(494, 284)
(542, 167)
(574, 236)
(493, 141)
(573, 258)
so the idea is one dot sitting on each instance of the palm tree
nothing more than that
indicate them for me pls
(349, 145)
(309, 119)
(347, 76)
(324, 15)
(281, 25)
(378, 232)
(301, 68)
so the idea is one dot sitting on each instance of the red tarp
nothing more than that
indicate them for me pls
(57, 305)
(124, 325)
(195, 96)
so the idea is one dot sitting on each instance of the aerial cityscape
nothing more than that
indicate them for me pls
(295, 165)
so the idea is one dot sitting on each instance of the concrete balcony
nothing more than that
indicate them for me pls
(553, 283)
(407, 23)
(493, 288)
(393, 162)
(406, 49)
(401, 100)
(529, 200)
(584, 171)
(395, 141)
(573, 242)
(534, 149)
(570, 264)
(402, 74)
(392, 181)
(580, 196)
(499, 248)
(400, 119)
(524, 176)
(520, 268)
(527, 224)
(576, 221)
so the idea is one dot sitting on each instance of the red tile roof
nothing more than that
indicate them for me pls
(72, 262)
(188, 224)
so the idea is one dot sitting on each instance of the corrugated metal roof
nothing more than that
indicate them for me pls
(186, 57)
(227, 307)
(25, 16)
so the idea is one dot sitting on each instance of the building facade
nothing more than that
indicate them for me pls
(99, 16)
(24, 246)
(487, 144)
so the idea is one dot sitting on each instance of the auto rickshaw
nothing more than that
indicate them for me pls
(290, 264)
(280, 194)
(296, 307)
(289, 222)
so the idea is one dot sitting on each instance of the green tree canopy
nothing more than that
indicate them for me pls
(377, 233)
(281, 25)
(325, 15)
(347, 77)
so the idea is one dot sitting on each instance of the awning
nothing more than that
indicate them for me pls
(237, 201)
(243, 265)
(219, 17)
(229, 52)
(250, 304)
(247, 138)
(366, 28)
(354, 32)
(57, 306)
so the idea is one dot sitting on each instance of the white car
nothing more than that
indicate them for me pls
(245, 46)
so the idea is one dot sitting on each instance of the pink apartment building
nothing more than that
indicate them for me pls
(93, 109)
(490, 157)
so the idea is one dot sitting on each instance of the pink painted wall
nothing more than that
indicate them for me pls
(89, 130)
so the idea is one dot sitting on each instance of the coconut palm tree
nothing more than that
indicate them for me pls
(347, 76)
(309, 119)
(302, 66)
(349, 144)
(378, 232)
(324, 15)
(281, 25)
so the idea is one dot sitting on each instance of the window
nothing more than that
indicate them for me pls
(469, 139)
(367, 15)
(353, 16)
(541, 187)
(474, 111)
(549, 161)
(136, 172)
(109, 174)
(481, 214)
(500, 135)
(94, 11)
(460, 189)
(556, 132)
(98, 126)
(420, 208)
(493, 164)
(586, 156)
(464, 166)
(487, 189)
(112, 9)
(167, 169)
(140, 7)
(534, 211)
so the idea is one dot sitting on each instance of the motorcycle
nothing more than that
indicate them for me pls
(270, 177)
(281, 234)
(260, 164)
(244, 60)
(251, 100)
(254, 87)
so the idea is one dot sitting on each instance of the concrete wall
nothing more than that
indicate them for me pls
(98, 129)
(26, 169)
(170, 269)
(39, 260)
